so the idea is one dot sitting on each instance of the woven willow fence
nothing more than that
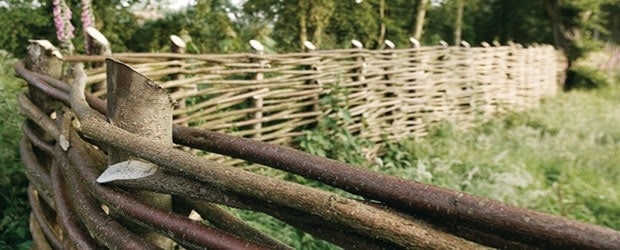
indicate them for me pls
(389, 94)
(115, 172)
(270, 97)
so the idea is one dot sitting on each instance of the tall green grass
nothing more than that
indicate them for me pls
(562, 157)
(14, 207)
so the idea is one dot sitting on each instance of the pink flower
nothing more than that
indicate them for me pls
(62, 20)
(87, 15)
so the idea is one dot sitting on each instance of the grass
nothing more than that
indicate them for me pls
(14, 208)
(561, 158)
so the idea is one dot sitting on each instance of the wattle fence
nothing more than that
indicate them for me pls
(389, 94)
(113, 162)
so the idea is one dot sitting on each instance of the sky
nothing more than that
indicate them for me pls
(178, 4)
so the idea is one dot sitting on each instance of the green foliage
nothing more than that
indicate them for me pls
(441, 20)
(585, 77)
(207, 28)
(511, 20)
(331, 138)
(24, 20)
(281, 231)
(114, 19)
(560, 158)
(352, 21)
(14, 207)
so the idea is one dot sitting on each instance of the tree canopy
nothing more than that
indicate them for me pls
(219, 26)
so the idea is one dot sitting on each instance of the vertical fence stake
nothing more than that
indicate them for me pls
(177, 45)
(312, 69)
(257, 100)
(139, 106)
(42, 58)
(98, 45)
(391, 94)
(46, 59)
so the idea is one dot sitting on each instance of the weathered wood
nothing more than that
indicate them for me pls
(46, 59)
(97, 44)
(139, 106)
(38, 238)
(177, 45)
(257, 100)
(365, 219)
(446, 206)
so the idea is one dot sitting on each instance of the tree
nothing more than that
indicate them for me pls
(460, 5)
(294, 21)
(382, 28)
(114, 19)
(23, 20)
(578, 24)
(352, 20)
(419, 19)
(512, 20)
(445, 23)
(207, 24)
(30, 19)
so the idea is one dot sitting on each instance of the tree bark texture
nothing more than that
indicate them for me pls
(419, 19)
(458, 25)
(141, 107)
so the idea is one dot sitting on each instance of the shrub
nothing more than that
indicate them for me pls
(585, 77)
(14, 207)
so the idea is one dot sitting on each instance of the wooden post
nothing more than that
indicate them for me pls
(98, 45)
(468, 95)
(257, 100)
(393, 126)
(313, 68)
(415, 54)
(389, 55)
(416, 86)
(177, 45)
(138, 105)
(309, 46)
(414, 43)
(360, 76)
(46, 59)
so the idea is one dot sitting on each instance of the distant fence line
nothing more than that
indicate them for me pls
(390, 94)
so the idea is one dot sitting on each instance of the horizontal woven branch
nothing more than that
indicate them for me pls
(392, 94)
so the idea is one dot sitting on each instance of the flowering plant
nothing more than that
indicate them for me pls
(62, 21)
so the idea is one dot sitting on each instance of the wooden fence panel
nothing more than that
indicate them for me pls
(389, 94)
